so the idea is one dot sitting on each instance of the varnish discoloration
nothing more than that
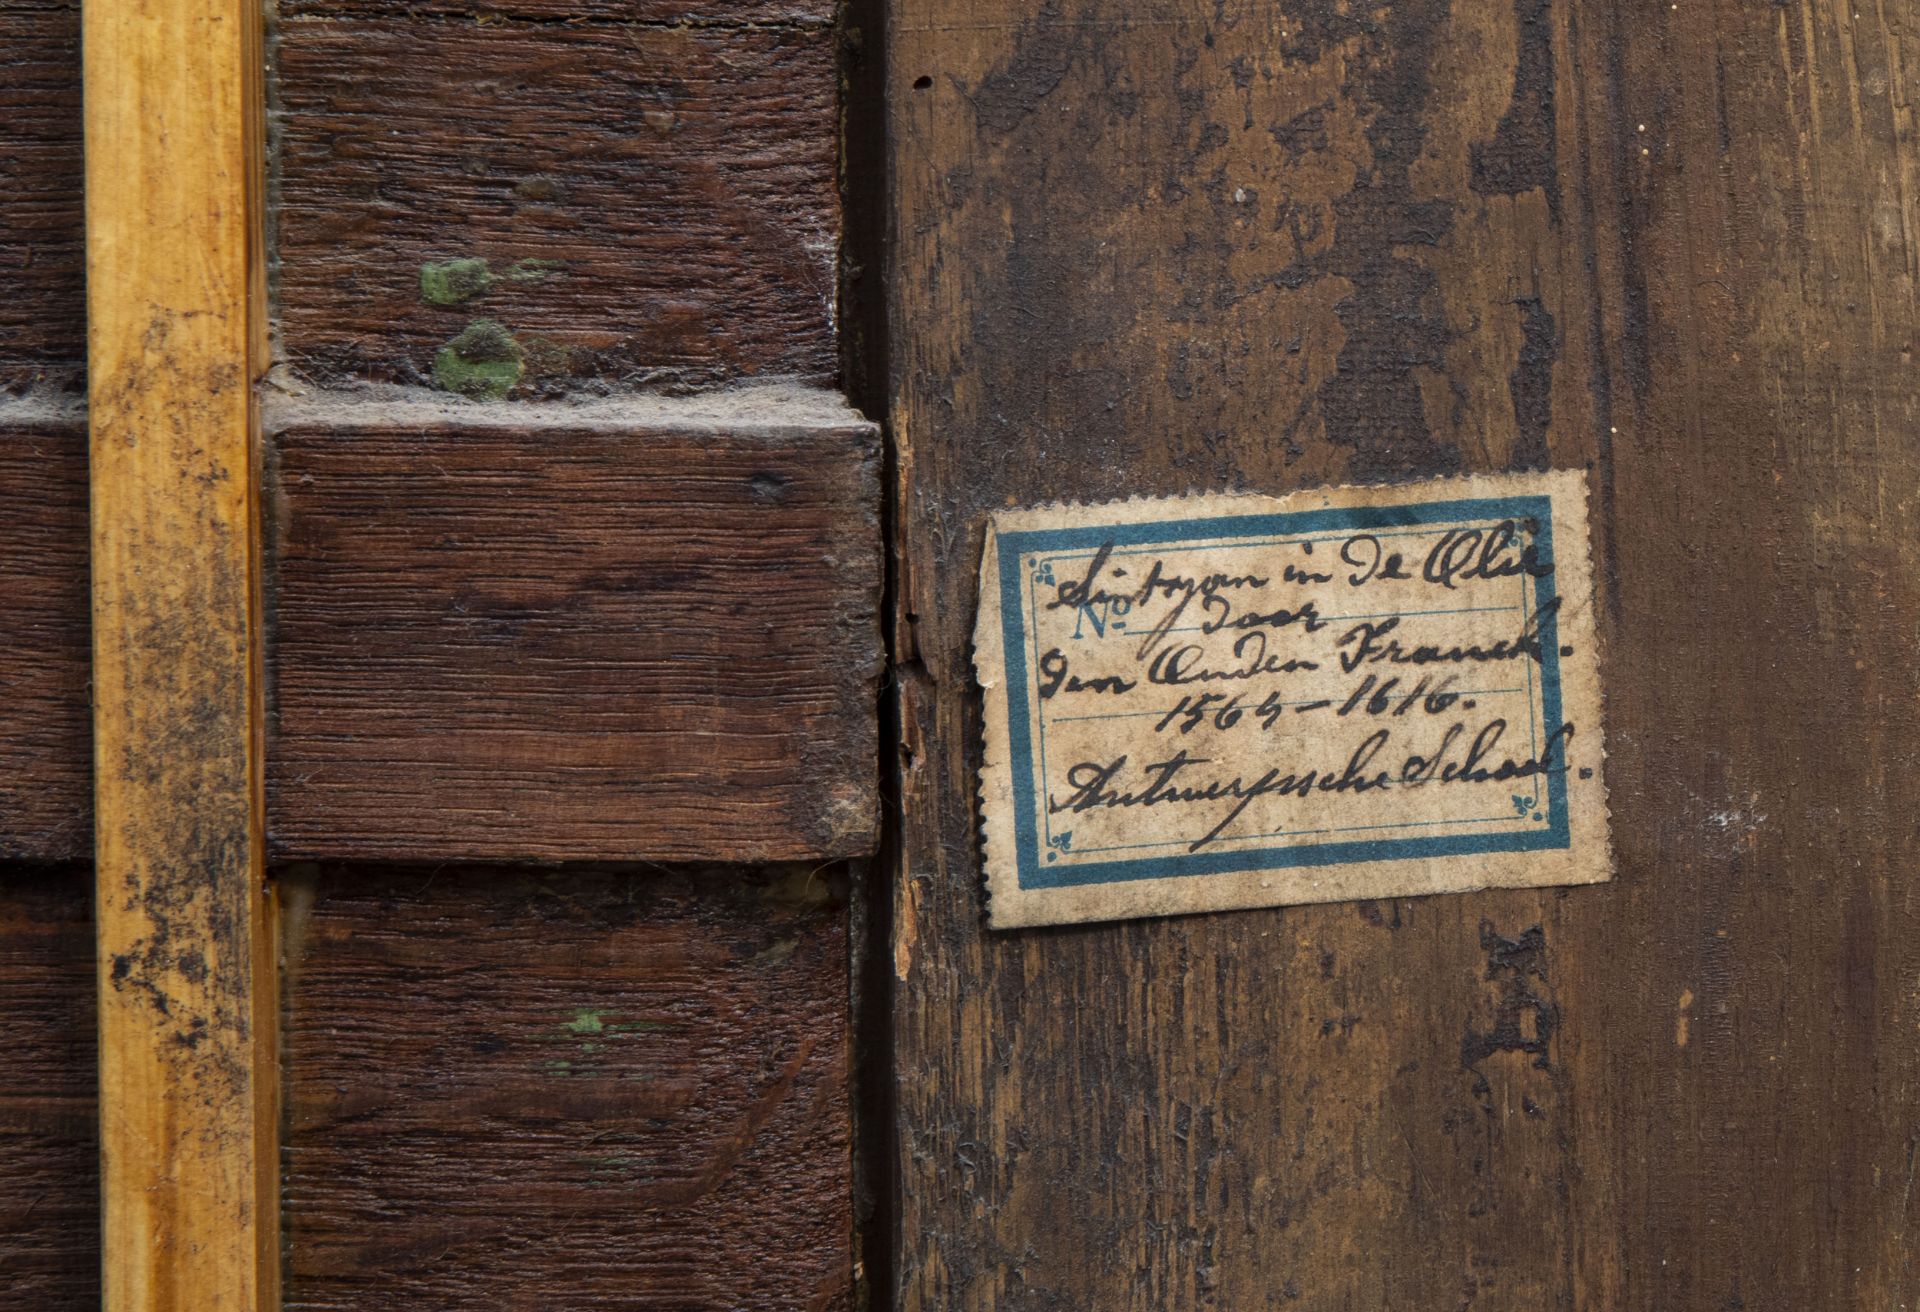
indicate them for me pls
(595, 1091)
(672, 185)
(1245, 247)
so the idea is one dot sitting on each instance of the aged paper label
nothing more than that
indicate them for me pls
(1214, 702)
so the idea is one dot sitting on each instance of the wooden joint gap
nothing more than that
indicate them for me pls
(795, 406)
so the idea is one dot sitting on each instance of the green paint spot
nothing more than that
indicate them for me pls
(483, 362)
(560, 1068)
(587, 1022)
(533, 270)
(450, 282)
(455, 282)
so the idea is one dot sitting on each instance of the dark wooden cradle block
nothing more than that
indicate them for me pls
(583, 1092)
(46, 765)
(654, 204)
(597, 642)
(49, 1151)
(713, 14)
(42, 239)
(591, 642)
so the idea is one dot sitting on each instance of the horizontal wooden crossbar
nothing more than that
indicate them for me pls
(645, 630)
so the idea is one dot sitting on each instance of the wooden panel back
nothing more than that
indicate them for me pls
(1145, 249)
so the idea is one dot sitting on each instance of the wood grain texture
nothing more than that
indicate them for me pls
(46, 778)
(578, 1091)
(655, 204)
(712, 14)
(616, 589)
(46, 733)
(1146, 249)
(42, 239)
(49, 1148)
(184, 951)
(620, 641)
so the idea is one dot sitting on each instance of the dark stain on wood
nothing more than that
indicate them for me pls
(574, 643)
(1525, 1016)
(1238, 248)
(174, 693)
(1393, 318)
(49, 1150)
(1522, 153)
(655, 204)
(588, 1091)
(42, 239)
(1530, 384)
(1019, 86)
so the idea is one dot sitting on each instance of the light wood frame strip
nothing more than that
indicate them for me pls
(175, 282)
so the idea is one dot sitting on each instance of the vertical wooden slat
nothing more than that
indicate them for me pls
(175, 343)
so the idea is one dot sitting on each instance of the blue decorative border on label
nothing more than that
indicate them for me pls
(1036, 873)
